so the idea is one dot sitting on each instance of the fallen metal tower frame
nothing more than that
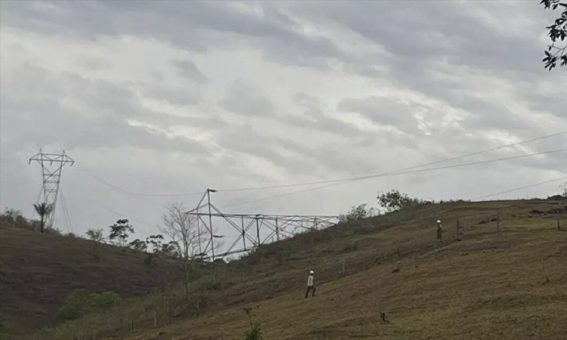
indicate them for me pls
(250, 230)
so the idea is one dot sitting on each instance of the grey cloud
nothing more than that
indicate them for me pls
(408, 33)
(314, 118)
(93, 63)
(40, 112)
(384, 111)
(173, 96)
(294, 157)
(443, 51)
(247, 140)
(245, 99)
(554, 102)
(210, 22)
(59, 126)
(188, 69)
(489, 116)
(428, 31)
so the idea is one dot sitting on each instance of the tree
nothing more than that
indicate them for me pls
(139, 245)
(43, 210)
(557, 50)
(357, 213)
(183, 230)
(155, 241)
(120, 231)
(95, 235)
(170, 249)
(395, 200)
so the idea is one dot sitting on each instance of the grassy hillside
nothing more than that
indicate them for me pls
(487, 285)
(38, 270)
(477, 283)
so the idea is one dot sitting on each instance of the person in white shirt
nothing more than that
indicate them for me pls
(310, 284)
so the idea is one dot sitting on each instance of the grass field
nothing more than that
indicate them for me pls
(38, 270)
(511, 285)
(478, 284)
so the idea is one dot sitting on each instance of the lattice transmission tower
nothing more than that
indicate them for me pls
(51, 168)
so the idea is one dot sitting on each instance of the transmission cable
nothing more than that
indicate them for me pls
(133, 193)
(520, 188)
(402, 172)
(115, 187)
(403, 169)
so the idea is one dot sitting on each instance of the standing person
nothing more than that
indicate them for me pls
(310, 284)
(439, 231)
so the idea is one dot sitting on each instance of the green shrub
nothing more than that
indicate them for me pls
(81, 302)
(394, 200)
(254, 333)
(357, 213)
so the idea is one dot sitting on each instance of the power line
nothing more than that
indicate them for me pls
(118, 213)
(402, 172)
(279, 186)
(520, 188)
(408, 168)
(115, 187)
(66, 214)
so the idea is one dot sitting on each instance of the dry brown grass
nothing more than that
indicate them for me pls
(486, 286)
(38, 270)
(506, 286)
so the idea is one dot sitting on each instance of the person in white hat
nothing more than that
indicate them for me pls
(439, 231)
(310, 284)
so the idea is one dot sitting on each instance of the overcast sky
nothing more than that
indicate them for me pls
(174, 97)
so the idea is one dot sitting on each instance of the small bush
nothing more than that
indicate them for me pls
(357, 213)
(254, 333)
(53, 231)
(81, 302)
(14, 218)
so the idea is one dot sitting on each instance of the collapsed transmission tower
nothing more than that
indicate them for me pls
(246, 232)
(51, 167)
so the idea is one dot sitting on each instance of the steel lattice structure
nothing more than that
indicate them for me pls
(249, 230)
(51, 168)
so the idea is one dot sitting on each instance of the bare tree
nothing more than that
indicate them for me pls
(182, 229)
